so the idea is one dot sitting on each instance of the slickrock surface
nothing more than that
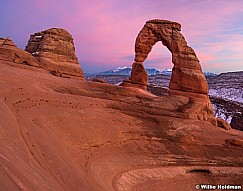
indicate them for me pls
(67, 134)
(10, 52)
(54, 48)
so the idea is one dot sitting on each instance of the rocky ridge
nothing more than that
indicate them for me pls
(226, 94)
(54, 49)
(227, 85)
(11, 53)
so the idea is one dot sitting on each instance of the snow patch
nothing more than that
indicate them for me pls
(168, 70)
(228, 93)
(222, 113)
(120, 68)
(35, 53)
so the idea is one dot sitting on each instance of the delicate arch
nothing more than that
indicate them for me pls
(187, 75)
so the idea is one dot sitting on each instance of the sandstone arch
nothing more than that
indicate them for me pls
(187, 76)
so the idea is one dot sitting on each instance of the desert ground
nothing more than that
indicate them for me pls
(70, 134)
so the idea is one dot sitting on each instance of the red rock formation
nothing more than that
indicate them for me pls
(223, 124)
(1, 41)
(236, 142)
(54, 48)
(187, 76)
(11, 53)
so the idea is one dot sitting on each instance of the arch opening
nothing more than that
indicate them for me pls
(159, 58)
(187, 76)
(159, 68)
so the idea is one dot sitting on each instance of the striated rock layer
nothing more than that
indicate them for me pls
(54, 48)
(187, 77)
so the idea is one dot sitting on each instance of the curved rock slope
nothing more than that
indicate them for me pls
(66, 134)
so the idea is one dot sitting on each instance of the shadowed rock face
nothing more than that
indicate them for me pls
(237, 121)
(187, 77)
(1, 41)
(54, 48)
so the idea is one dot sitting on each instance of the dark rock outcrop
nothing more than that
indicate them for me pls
(54, 48)
(237, 121)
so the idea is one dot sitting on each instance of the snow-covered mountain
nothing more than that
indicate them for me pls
(117, 71)
(127, 71)
(208, 74)
(151, 71)
(227, 86)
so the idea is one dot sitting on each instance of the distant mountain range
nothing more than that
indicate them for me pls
(126, 71)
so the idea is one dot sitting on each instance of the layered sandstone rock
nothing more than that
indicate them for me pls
(223, 124)
(11, 53)
(187, 77)
(54, 48)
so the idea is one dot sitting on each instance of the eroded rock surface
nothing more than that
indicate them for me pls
(54, 48)
(187, 76)
(11, 53)
(59, 134)
(1, 41)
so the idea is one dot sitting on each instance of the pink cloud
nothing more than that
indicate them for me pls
(104, 31)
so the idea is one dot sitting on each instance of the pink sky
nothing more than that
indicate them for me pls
(104, 32)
